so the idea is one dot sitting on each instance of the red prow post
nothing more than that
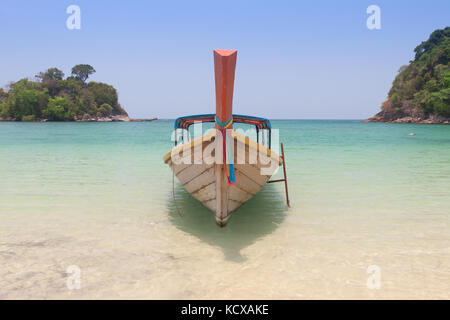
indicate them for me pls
(224, 70)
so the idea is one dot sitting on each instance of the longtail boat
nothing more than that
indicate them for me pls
(224, 168)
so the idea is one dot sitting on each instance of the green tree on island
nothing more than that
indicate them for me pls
(53, 74)
(50, 79)
(82, 71)
(53, 98)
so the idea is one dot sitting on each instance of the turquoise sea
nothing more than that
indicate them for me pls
(98, 196)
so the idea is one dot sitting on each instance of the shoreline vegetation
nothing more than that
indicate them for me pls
(51, 97)
(112, 118)
(420, 92)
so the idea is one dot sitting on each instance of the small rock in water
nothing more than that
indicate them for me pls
(411, 134)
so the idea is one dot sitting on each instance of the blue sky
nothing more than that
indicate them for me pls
(296, 59)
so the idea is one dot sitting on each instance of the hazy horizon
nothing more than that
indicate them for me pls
(295, 60)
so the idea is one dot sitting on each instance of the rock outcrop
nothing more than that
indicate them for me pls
(386, 117)
(88, 118)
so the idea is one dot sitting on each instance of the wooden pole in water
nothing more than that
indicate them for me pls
(285, 176)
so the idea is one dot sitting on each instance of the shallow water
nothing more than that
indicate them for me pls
(98, 196)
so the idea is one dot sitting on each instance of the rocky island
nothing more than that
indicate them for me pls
(420, 92)
(51, 97)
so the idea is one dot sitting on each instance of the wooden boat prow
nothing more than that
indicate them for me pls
(197, 164)
(207, 182)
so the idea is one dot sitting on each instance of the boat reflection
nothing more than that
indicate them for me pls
(257, 218)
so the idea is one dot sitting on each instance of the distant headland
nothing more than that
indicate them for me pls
(51, 97)
(420, 92)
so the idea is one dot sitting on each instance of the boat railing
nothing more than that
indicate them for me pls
(262, 125)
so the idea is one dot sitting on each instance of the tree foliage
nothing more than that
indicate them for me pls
(82, 71)
(57, 110)
(51, 74)
(54, 98)
(423, 87)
